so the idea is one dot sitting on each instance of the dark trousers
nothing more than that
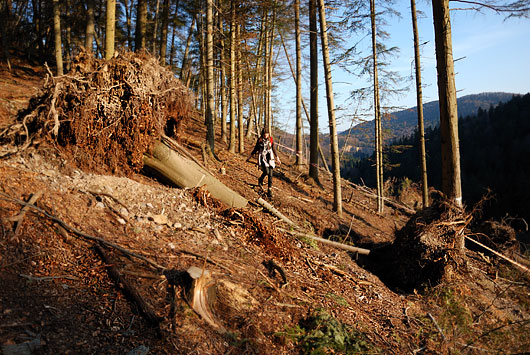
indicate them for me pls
(267, 171)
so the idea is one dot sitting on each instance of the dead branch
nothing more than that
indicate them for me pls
(129, 290)
(49, 278)
(277, 213)
(437, 326)
(524, 268)
(329, 242)
(20, 217)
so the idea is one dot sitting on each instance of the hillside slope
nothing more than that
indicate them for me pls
(56, 295)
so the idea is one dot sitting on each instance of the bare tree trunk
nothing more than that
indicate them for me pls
(337, 191)
(451, 183)
(68, 36)
(4, 15)
(57, 37)
(89, 32)
(210, 132)
(269, 68)
(38, 29)
(232, 143)
(303, 105)
(163, 32)
(184, 66)
(313, 61)
(110, 33)
(419, 104)
(299, 126)
(155, 30)
(128, 22)
(377, 109)
(141, 25)
(240, 118)
(222, 87)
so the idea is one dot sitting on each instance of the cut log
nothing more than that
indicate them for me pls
(185, 173)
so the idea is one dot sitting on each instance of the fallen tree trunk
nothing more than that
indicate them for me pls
(185, 173)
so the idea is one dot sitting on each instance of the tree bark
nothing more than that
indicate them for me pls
(110, 33)
(451, 183)
(155, 30)
(4, 15)
(313, 60)
(419, 105)
(210, 132)
(337, 191)
(184, 65)
(299, 126)
(240, 118)
(57, 37)
(377, 112)
(128, 22)
(163, 32)
(232, 143)
(141, 25)
(89, 31)
(222, 86)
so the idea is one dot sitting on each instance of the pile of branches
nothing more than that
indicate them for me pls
(106, 114)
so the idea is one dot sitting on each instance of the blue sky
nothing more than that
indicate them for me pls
(495, 57)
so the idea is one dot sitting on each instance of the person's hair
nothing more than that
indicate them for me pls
(264, 130)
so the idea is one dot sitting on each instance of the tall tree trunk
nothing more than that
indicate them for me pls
(240, 118)
(163, 32)
(232, 143)
(141, 25)
(451, 183)
(210, 132)
(269, 68)
(377, 111)
(4, 16)
(299, 127)
(337, 191)
(89, 31)
(155, 30)
(128, 22)
(184, 66)
(419, 104)
(222, 86)
(57, 37)
(110, 33)
(38, 28)
(313, 62)
(68, 36)
(303, 105)
(265, 74)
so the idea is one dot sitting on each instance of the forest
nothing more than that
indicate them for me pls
(494, 148)
(134, 220)
(227, 53)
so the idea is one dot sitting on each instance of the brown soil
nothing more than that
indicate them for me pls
(55, 292)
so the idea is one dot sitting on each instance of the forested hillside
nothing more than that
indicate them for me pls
(495, 154)
(404, 122)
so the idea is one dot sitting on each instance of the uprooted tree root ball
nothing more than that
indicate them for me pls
(106, 114)
(426, 251)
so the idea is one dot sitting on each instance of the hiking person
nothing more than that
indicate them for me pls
(267, 158)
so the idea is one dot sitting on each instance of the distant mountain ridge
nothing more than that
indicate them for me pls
(403, 123)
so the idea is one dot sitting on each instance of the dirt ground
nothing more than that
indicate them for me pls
(56, 295)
